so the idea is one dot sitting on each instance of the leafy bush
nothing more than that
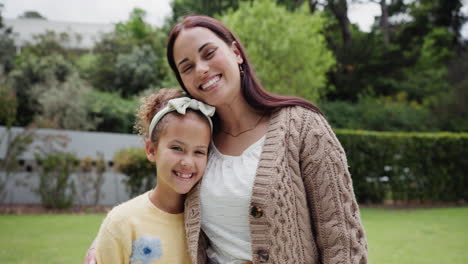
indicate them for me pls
(407, 166)
(56, 188)
(379, 114)
(115, 114)
(137, 70)
(90, 176)
(31, 70)
(141, 173)
(62, 105)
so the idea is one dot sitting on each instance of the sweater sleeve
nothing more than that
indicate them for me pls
(332, 204)
(111, 245)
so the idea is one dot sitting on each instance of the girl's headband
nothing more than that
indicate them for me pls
(180, 105)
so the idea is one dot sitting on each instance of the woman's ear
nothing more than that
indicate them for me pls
(150, 150)
(236, 50)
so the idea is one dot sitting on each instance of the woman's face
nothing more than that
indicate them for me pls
(208, 67)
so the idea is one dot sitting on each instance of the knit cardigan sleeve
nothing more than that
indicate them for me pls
(332, 204)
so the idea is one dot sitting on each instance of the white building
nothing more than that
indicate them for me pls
(83, 36)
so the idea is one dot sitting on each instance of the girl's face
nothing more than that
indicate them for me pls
(209, 68)
(181, 152)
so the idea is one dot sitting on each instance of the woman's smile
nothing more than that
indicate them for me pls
(210, 83)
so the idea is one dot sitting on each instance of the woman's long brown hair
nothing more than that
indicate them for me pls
(253, 92)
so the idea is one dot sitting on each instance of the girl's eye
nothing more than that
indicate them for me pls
(176, 148)
(200, 153)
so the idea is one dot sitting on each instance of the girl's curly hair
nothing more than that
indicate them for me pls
(150, 105)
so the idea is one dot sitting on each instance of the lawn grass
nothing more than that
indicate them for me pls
(51, 239)
(429, 236)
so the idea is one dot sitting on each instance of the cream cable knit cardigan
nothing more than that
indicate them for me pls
(303, 208)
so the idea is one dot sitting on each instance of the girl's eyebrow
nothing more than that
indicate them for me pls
(182, 143)
(199, 50)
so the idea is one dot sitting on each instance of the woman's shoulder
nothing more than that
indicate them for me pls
(301, 116)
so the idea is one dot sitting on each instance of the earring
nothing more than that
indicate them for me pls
(241, 70)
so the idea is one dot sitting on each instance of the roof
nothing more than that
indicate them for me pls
(26, 28)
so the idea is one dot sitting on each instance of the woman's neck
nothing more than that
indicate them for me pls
(237, 116)
(168, 201)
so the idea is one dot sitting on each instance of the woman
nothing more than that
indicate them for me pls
(276, 187)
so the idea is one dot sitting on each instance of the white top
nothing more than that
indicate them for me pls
(225, 194)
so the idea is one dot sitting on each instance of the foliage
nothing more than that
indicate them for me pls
(141, 174)
(427, 79)
(7, 47)
(15, 144)
(115, 114)
(31, 70)
(8, 103)
(90, 178)
(134, 50)
(288, 49)
(63, 105)
(32, 14)
(55, 186)
(407, 166)
(51, 42)
(379, 114)
(136, 70)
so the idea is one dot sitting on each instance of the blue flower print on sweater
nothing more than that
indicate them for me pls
(146, 249)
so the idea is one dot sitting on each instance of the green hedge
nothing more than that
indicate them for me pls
(407, 166)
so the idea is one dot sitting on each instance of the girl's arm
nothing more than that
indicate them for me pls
(90, 257)
(333, 208)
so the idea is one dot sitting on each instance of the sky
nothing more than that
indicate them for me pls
(113, 11)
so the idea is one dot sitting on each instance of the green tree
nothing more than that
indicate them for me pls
(133, 48)
(32, 14)
(288, 49)
(7, 46)
(31, 70)
(62, 105)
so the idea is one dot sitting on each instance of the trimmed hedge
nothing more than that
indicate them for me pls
(407, 166)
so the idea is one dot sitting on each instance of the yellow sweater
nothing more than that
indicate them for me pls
(138, 232)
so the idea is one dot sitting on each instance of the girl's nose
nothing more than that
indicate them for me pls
(186, 162)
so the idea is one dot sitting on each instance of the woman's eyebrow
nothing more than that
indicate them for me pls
(199, 50)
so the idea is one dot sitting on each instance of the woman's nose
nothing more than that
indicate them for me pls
(202, 69)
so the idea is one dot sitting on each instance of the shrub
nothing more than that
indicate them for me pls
(378, 114)
(90, 176)
(407, 166)
(56, 188)
(116, 114)
(141, 173)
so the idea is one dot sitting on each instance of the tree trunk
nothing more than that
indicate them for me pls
(340, 10)
(384, 25)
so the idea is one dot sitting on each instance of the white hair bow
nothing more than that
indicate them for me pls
(180, 105)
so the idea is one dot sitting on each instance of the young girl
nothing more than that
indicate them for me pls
(150, 228)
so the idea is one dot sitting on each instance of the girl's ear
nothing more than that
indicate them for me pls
(236, 51)
(150, 151)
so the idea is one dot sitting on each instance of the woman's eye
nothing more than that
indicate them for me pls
(187, 68)
(210, 53)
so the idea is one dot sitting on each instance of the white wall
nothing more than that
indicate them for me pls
(82, 144)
